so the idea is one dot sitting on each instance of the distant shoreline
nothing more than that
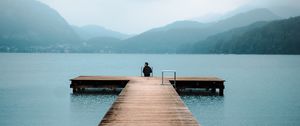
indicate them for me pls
(143, 53)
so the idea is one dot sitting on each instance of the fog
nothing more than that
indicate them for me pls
(136, 16)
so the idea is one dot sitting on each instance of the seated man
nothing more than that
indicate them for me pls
(147, 70)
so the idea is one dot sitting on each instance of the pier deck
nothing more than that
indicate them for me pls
(145, 101)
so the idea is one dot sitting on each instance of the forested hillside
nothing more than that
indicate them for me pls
(276, 37)
(30, 26)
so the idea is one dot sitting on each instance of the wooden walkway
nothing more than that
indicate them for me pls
(145, 102)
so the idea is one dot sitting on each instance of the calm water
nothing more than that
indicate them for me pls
(260, 89)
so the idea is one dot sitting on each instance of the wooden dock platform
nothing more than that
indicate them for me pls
(145, 101)
(211, 83)
(80, 83)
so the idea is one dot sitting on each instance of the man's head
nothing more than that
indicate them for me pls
(146, 63)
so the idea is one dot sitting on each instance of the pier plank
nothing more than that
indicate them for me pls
(144, 101)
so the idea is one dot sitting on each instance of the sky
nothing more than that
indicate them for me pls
(136, 16)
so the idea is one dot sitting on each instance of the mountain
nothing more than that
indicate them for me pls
(101, 45)
(93, 31)
(276, 37)
(164, 39)
(29, 25)
(243, 19)
(286, 11)
(180, 25)
(169, 38)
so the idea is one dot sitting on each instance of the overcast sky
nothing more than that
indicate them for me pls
(136, 16)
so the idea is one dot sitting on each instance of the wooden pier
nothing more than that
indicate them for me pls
(211, 83)
(145, 100)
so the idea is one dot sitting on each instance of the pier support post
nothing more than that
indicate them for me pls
(75, 90)
(213, 90)
(221, 92)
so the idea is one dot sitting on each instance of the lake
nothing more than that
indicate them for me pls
(259, 89)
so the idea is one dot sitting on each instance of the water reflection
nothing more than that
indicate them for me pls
(198, 92)
(99, 91)
(89, 108)
(208, 110)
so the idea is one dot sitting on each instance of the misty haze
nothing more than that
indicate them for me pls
(253, 45)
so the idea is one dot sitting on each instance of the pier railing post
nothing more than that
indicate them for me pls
(141, 71)
(162, 76)
(152, 71)
(175, 79)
